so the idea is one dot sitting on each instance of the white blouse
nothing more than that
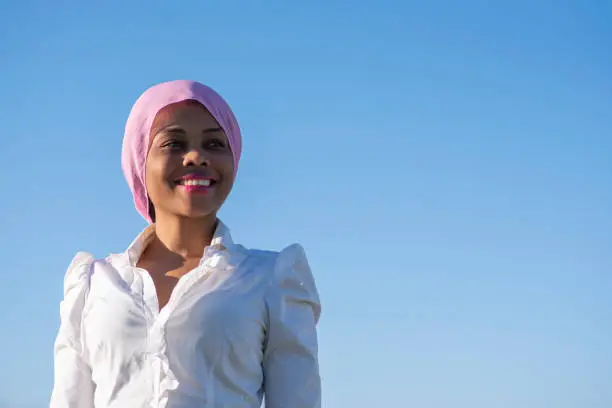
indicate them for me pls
(239, 326)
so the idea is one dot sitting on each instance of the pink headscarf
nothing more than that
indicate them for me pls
(138, 129)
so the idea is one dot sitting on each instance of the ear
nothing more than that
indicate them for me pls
(151, 211)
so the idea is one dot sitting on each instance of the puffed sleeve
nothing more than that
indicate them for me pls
(291, 366)
(73, 386)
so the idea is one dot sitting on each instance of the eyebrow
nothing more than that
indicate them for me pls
(212, 130)
(178, 129)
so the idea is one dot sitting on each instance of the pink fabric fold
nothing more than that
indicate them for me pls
(138, 129)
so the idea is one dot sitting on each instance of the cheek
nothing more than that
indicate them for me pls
(225, 165)
(156, 174)
(227, 173)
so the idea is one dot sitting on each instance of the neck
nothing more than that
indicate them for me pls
(186, 237)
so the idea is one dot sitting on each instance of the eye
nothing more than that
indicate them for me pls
(215, 144)
(173, 144)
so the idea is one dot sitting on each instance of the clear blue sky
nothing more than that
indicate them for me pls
(448, 169)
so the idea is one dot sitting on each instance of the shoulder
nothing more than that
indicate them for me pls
(291, 280)
(291, 258)
(80, 270)
(76, 288)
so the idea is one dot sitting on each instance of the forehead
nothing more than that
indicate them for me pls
(184, 112)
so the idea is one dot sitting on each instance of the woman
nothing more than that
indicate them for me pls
(185, 317)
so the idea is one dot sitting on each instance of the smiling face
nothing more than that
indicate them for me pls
(190, 168)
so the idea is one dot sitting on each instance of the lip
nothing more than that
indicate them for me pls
(195, 188)
(194, 176)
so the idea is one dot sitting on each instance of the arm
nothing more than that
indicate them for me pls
(73, 386)
(291, 366)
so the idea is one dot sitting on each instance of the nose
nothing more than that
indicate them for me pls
(196, 157)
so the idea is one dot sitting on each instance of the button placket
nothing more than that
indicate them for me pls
(157, 320)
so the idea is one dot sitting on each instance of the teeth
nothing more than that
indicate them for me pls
(204, 183)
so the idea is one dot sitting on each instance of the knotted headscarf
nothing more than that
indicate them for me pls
(138, 130)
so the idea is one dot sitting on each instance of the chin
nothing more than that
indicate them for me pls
(197, 207)
(197, 214)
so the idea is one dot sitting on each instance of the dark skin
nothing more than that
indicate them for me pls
(186, 141)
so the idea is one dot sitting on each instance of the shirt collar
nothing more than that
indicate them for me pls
(221, 241)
